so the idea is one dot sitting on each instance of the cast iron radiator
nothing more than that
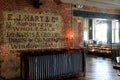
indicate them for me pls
(40, 67)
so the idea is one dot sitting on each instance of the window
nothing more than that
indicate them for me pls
(115, 31)
(104, 31)
(100, 31)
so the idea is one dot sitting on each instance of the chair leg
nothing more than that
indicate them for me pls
(118, 72)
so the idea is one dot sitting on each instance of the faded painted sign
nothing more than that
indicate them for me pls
(25, 31)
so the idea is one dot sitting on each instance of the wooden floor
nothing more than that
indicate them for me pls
(98, 68)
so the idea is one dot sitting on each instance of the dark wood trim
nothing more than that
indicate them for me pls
(50, 52)
(88, 14)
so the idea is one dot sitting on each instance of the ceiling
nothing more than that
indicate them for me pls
(113, 4)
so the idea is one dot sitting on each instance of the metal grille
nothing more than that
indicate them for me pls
(50, 66)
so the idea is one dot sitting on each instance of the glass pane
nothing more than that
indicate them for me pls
(101, 32)
(117, 32)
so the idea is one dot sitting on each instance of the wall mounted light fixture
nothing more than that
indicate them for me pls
(36, 3)
(78, 6)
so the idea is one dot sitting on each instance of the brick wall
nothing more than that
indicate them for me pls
(48, 6)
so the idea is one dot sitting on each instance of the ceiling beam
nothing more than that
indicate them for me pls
(115, 4)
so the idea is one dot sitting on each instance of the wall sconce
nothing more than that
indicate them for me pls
(36, 3)
(70, 36)
(78, 6)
